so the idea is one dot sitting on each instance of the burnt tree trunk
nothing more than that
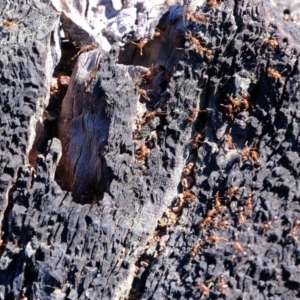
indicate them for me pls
(101, 201)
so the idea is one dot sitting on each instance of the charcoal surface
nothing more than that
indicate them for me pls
(182, 184)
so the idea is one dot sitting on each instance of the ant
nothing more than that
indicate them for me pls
(196, 17)
(222, 223)
(150, 115)
(222, 285)
(245, 101)
(271, 44)
(188, 170)
(188, 195)
(245, 152)
(180, 204)
(273, 73)
(196, 140)
(193, 114)
(187, 182)
(204, 288)
(268, 224)
(295, 226)
(229, 110)
(215, 239)
(141, 44)
(143, 93)
(211, 3)
(217, 201)
(196, 248)
(10, 24)
(91, 76)
(228, 141)
(182, 199)
(157, 32)
(232, 191)
(148, 74)
(249, 204)
(198, 46)
(142, 152)
(240, 215)
(208, 219)
(201, 18)
(2, 241)
(254, 156)
(94, 202)
(249, 152)
(233, 101)
(239, 248)
(85, 49)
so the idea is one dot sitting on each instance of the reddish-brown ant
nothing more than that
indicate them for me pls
(245, 100)
(295, 226)
(198, 46)
(196, 17)
(188, 195)
(211, 3)
(222, 223)
(217, 202)
(249, 204)
(222, 285)
(196, 140)
(182, 199)
(85, 49)
(228, 140)
(215, 239)
(1, 241)
(188, 170)
(196, 248)
(150, 115)
(187, 182)
(233, 101)
(180, 204)
(239, 248)
(157, 32)
(240, 215)
(232, 191)
(249, 152)
(143, 93)
(193, 114)
(229, 110)
(92, 75)
(208, 219)
(201, 18)
(273, 73)
(254, 156)
(245, 152)
(141, 44)
(271, 44)
(10, 24)
(148, 74)
(142, 152)
(88, 47)
(204, 288)
(269, 223)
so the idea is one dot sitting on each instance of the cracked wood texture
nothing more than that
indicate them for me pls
(118, 229)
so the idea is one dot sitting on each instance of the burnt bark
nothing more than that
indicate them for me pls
(86, 215)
